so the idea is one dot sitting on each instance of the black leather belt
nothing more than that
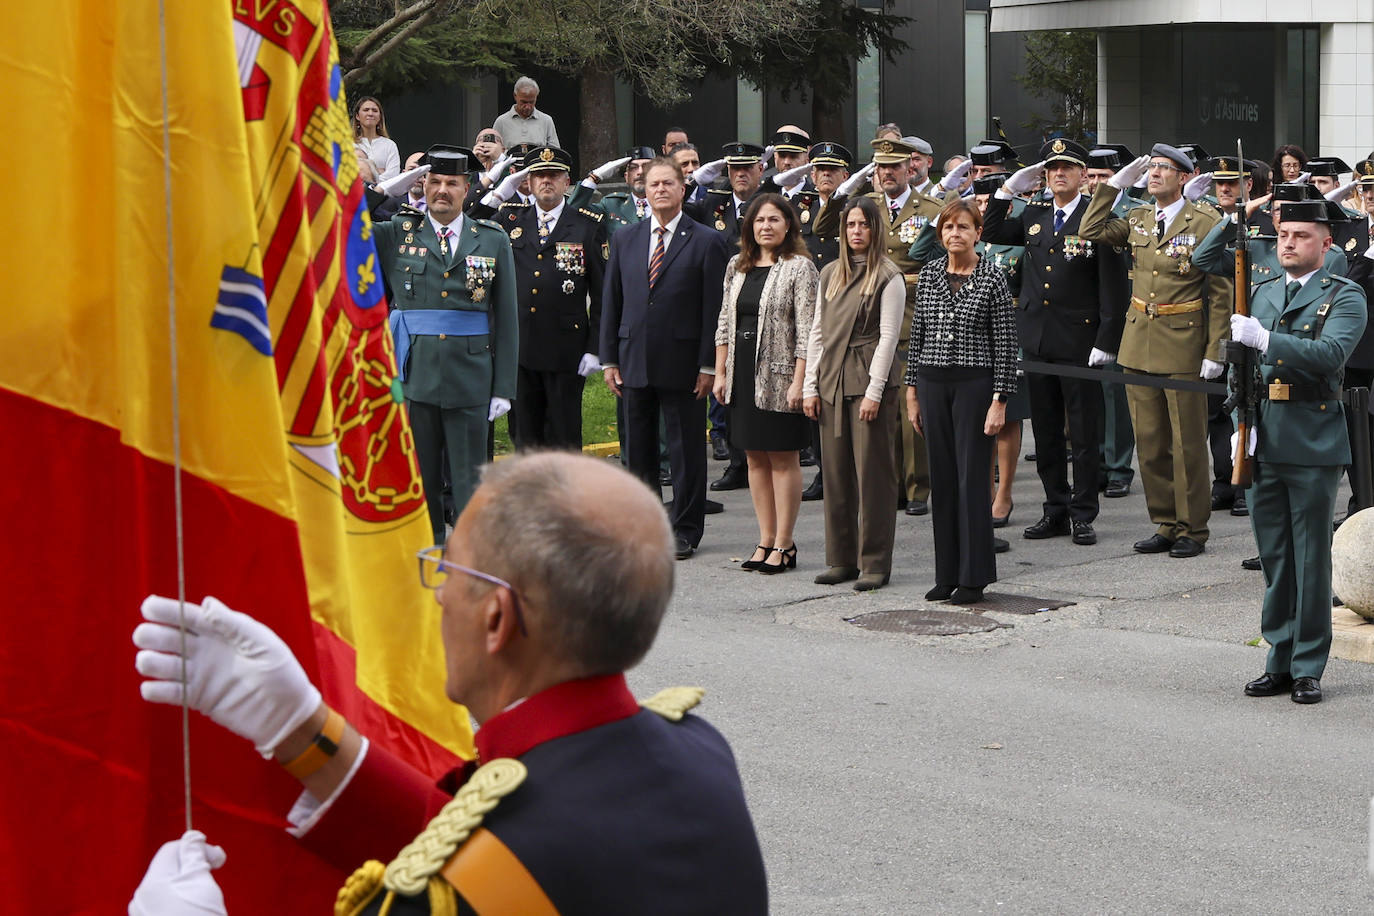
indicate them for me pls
(745, 335)
(1285, 391)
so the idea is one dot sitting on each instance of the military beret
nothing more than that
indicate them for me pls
(919, 145)
(1177, 157)
(992, 152)
(1064, 151)
(548, 159)
(740, 153)
(791, 141)
(831, 153)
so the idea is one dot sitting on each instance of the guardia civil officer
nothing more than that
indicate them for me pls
(620, 208)
(560, 256)
(1304, 326)
(1177, 319)
(1069, 311)
(453, 286)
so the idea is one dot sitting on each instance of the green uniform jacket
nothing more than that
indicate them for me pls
(1216, 254)
(1310, 433)
(618, 207)
(1162, 272)
(454, 371)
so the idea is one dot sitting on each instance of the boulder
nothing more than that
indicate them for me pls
(1352, 563)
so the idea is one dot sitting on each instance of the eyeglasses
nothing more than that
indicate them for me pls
(1164, 167)
(434, 572)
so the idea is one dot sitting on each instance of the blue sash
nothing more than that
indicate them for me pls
(406, 323)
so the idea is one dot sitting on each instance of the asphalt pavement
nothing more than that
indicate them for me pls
(1096, 758)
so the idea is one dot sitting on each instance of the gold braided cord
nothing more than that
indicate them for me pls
(673, 702)
(443, 900)
(359, 889)
(413, 866)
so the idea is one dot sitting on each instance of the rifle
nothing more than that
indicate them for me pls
(1242, 381)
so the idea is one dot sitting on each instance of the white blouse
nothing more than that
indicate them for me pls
(382, 152)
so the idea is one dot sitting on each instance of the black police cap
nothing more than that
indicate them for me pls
(1061, 150)
(830, 153)
(548, 159)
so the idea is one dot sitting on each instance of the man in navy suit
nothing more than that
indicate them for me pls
(658, 323)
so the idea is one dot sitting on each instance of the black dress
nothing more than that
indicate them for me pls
(750, 428)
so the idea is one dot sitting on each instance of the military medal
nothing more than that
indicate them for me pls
(568, 287)
(479, 271)
(1350, 245)
(1033, 230)
(806, 216)
(479, 294)
(517, 232)
(568, 258)
(720, 225)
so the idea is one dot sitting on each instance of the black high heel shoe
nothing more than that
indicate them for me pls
(789, 560)
(755, 564)
(1000, 521)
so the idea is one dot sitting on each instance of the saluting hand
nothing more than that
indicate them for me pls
(1023, 181)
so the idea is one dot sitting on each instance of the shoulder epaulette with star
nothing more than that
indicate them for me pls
(488, 223)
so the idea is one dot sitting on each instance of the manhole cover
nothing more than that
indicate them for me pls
(1015, 604)
(926, 623)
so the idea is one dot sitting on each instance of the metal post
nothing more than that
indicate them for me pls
(1361, 474)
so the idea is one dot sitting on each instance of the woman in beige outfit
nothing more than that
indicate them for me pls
(765, 320)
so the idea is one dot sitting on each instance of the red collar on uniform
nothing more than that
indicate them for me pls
(561, 710)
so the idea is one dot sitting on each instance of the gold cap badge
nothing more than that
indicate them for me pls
(1058, 146)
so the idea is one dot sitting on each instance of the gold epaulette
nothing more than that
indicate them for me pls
(673, 702)
(598, 217)
(416, 867)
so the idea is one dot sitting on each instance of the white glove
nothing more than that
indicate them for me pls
(398, 185)
(1249, 446)
(955, 176)
(499, 408)
(853, 181)
(1303, 178)
(1247, 330)
(588, 365)
(238, 672)
(1100, 357)
(708, 173)
(506, 189)
(606, 170)
(1341, 193)
(497, 169)
(178, 881)
(1211, 370)
(1023, 181)
(1130, 173)
(1196, 188)
(767, 153)
(792, 176)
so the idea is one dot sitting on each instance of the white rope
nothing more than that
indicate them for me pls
(176, 409)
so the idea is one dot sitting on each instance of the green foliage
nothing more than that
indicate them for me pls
(818, 57)
(598, 417)
(1061, 67)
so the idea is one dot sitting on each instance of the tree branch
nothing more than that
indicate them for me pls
(395, 41)
(409, 15)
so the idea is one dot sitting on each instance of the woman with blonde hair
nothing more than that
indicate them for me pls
(851, 384)
(370, 138)
(761, 338)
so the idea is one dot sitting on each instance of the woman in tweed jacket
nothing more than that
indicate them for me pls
(961, 369)
(765, 320)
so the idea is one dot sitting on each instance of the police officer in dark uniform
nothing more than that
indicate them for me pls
(560, 253)
(1070, 310)
(830, 166)
(454, 324)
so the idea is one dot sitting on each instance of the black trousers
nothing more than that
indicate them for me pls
(954, 406)
(684, 415)
(1051, 397)
(1356, 378)
(548, 409)
(1219, 430)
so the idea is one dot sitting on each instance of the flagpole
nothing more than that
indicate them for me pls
(176, 409)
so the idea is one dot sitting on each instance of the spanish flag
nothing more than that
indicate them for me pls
(193, 286)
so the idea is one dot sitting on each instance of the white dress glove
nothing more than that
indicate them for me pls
(588, 365)
(1130, 173)
(178, 881)
(1023, 181)
(1247, 330)
(955, 176)
(853, 181)
(792, 176)
(238, 672)
(607, 169)
(1249, 446)
(506, 189)
(1196, 188)
(1100, 357)
(706, 174)
(1211, 370)
(401, 184)
(498, 168)
(1303, 178)
(499, 408)
(1341, 193)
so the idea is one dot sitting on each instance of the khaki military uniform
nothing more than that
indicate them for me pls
(1177, 317)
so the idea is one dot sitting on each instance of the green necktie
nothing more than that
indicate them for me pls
(1291, 292)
